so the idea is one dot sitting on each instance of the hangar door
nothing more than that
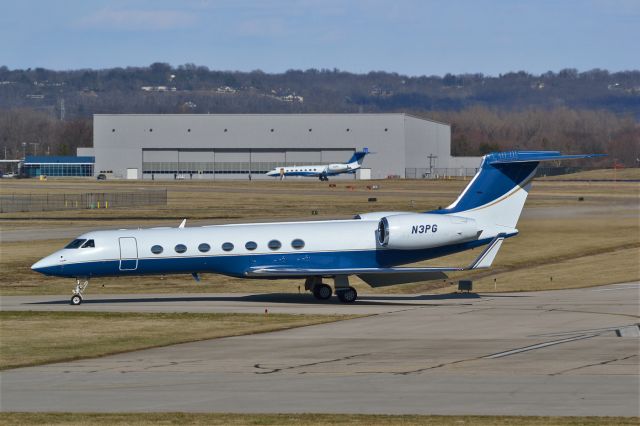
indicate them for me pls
(156, 162)
(262, 162)
(301, 157)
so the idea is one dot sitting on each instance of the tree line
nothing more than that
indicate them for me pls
(46, 111)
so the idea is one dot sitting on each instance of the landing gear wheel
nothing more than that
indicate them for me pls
(322, 292)
(347, 295)
(81, 286)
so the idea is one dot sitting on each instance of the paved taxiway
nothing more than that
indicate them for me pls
(569, 352)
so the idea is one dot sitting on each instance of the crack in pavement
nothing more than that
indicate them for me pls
(433, 367)
(591, 312)
(276, 370)
(600, 331)
(592, 365)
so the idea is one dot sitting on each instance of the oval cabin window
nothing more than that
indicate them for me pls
(181, 248)
(251, 245)
(227, 247)
(274, 244)
(204, 247)
(156, 249)
(297, 244)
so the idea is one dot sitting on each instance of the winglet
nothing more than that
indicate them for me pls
(184, 222)
(485, 259)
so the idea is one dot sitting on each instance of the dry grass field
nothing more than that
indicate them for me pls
(610, 174)
(31, 338)
(564, 242)
(82, 419)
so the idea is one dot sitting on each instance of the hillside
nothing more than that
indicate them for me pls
(161, 88)
(46, 111)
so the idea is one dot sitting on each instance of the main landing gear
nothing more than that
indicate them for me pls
(323, 178)
(81, 285)
(322, 291)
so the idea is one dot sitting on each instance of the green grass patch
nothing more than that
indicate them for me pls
(32, 338)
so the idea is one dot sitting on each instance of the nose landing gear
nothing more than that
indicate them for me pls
(81, 285)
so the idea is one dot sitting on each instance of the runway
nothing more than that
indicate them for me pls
(569, 352)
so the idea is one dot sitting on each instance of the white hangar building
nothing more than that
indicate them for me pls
(218, 146)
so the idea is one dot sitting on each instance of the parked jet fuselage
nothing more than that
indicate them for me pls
(371, 245)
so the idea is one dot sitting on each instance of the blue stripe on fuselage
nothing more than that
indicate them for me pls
(237, 265)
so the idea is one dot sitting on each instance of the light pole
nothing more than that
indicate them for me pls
(24, 150)
(431, 158)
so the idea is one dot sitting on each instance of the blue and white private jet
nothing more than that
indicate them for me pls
(322, 171)
(371, 245)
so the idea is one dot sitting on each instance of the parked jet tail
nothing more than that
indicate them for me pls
(496, 195)
(358, 156)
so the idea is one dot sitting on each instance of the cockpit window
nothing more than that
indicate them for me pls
(89, 243)
(75, 244)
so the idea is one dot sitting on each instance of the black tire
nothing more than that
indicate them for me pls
(76, 300)
(348, 295)
(322, 292)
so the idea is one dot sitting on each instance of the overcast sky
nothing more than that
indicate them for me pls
(413, 37)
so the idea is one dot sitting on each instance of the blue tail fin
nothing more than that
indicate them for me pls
(358, 156)
(496, 195)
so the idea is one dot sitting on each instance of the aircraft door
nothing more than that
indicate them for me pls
(128, 254)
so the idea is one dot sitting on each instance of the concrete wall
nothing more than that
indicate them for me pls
(124, 141)
(426, 138)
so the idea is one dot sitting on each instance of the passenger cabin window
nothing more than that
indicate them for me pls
(156, 249)
(251, 245)
(75, 244)
(274, 244)
(180, 248)
(297, 244)
(89, 243)
(204, 247)
(227, 247)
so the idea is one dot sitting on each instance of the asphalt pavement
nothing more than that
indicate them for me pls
(568, 352)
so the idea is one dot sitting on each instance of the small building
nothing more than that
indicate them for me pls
(37, 165)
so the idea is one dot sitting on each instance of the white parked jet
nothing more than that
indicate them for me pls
(322, 171)
(371, 245)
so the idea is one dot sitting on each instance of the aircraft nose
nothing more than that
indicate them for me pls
(45, 265)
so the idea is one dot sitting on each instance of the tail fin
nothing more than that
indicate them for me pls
(496, 195)
(358, 156)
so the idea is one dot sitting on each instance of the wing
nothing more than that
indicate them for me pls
(381, 276)
(309, 272)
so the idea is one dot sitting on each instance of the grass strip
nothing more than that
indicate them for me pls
(32, 338)
(11, 419)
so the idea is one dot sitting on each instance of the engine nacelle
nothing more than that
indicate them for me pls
(420, 231)
(338, 167)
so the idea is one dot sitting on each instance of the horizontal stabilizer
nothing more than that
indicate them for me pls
(534, 156)
(486, 257)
